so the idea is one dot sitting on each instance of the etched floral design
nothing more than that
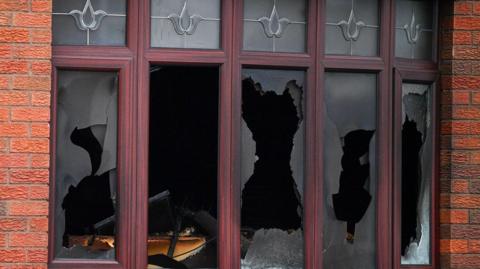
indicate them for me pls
(412, 30)
(351, 28)
(274, 26)
(184, 23)
(88, 12)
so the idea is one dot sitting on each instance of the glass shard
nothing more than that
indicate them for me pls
(182, 215)
(273, 139)
(416, 173)
(85, 185)
(350, 182)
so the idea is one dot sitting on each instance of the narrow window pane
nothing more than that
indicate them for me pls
(275, 25)
(182, 215)
(414, 29)
(350, 178)
(417, 146)
(86, 165)
(185, 24)
(352, 27)
(272, 169)
(89, 22)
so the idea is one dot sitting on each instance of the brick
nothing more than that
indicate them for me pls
(31, 114)
(32, 20)
(12, 160)
(32, 52)
(8, 192)
(463, 82)
(35, 83)
(466, 23)
(39, 224)
(5, 51)
(462, 8)
(476, 98)
(41, 98)
(456, 97)
(13, 224)
(28, 208)
(41, 36)
(37, 255)
(40, 161)
(34, 145)
(24, 176)
(5, 18)
(39, 192)
(459, 186)
(467, 53)
(28, 239)
(462, 38)
(14, 5)
(453, 246)
(13, 130)
(13, 66)
(454, 216)
(14, 98)
(40, 130)
(466, 142)
(14, 35)
(465, 201)
(41, 68)
(42, 6)
(12, 255)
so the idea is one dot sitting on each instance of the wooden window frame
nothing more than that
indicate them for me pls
(133, 61)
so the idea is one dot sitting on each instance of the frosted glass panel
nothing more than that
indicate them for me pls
(275, 25)
(414, 29)
(89, 22)
(352, 27)
(350, 177)
(186, 24)
(272, 169)
(86, 165)
(417, 146)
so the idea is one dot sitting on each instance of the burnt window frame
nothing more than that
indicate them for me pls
(133, 61)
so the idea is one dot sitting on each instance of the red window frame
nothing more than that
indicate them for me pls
(133, 61)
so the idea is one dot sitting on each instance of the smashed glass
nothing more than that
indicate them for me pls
(272, 169)
(350, 122)
(86, 153)
(183, 156)
(416, 173)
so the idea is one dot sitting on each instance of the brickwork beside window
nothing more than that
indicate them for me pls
(460, 140)
(24, 132)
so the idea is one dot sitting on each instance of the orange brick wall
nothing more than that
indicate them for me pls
(460, 140)
(25, 68)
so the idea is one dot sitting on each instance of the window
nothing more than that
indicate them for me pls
(244, 134)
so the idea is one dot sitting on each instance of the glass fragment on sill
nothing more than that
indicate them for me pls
(86, 152)
(416, 173)
(182, 208)
(272, 169)
(350, 181)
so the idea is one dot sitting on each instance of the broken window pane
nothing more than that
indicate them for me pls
(89, 22)
(182, 216)
(416, 173)
(352, 27)
(272, 169)
(350, 181)
(275, 25)
(86, 152)
(185, 24)
(414, 29)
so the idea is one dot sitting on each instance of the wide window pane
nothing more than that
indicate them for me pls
(185, 24)
(89, 22)
(350, 178)
(352, 27)
(182, 215)
(86, 165)
(272, 168)
(275, 25)
(417, 146)
(414, 29)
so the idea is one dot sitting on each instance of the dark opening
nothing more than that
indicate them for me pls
(183, 166)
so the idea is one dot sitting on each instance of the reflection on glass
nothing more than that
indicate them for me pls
(350, 180)
(186, 24)
(272, 169)
(182, 215)
(416, 173)
(275, 25)
(85, 185)
(352, 27)
(414, 29)
(89, 22)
